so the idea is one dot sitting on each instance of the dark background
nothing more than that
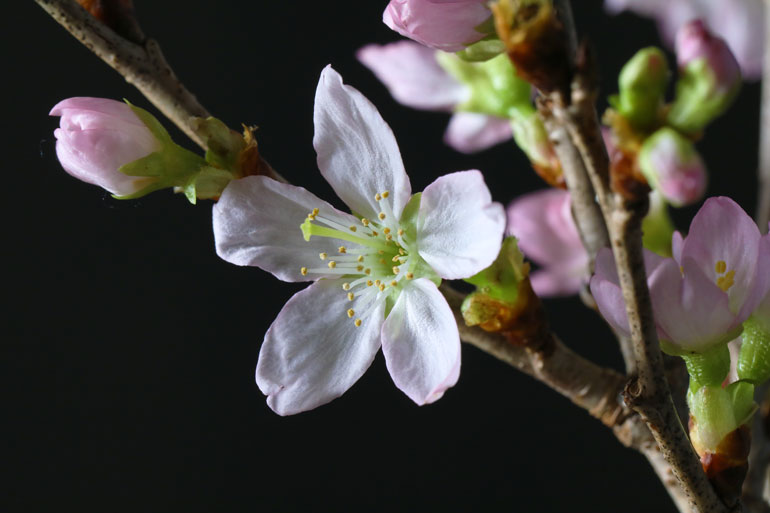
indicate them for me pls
(129, 347)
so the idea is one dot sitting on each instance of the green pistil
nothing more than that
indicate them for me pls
(309, 229)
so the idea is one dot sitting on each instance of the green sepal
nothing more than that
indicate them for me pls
(483, 50)
(714, 415)
(742, 395)
(152, 124)
(754, 358)
(495, 89)
(224, 145)
(501, 280)
(642, 86)
(207, 183)
(699, 99)
(657, 226)
(709, 368)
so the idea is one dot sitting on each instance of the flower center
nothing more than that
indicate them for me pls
(376, 260)
(725, 278)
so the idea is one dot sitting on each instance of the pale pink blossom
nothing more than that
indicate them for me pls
(414, 78)
(448, 25)
(374, 274)
(739, 22)
(96, 137)
(546, 232)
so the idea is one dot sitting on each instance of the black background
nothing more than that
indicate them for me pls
(129, 347)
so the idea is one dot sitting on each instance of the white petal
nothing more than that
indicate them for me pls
(313, 352)
(459, 229)
(469, 132)
(257, 222)
(357, 152)
(421, 343)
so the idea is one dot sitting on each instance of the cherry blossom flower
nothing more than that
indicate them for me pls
(448, 25)
(542, 222)
(739, 22)
(375, 273)
(96, 137)
(414, 78)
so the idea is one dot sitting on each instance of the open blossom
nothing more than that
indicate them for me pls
(739, 22)
(374, 273)
(414, 77)
(448, 25)
(701, 296)
(542, 222)
(96, 137)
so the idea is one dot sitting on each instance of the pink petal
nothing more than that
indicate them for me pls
(421, 343)
(448, 25)
(691, 310)
(312, 352)
(722, 231)
(469, 132)
(677, 243)
(552, 282)
(357, 152)
(257, 222)
(459, 228)
(542, 222)
(412, 75)
(94, 110)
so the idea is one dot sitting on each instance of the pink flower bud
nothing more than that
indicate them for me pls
(96, 136)
(671, 165)
(448, 25)
(694, 41)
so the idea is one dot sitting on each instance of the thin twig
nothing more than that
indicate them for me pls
(763, 202)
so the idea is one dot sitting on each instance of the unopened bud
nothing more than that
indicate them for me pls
(710, 78)
(530, 135)
(671, 165)
(642, 84)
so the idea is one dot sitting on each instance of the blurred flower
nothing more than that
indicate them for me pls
(96, 137)
(414, 77)
(542, 222)
(376, 283)
(739, 22)
(448, 25)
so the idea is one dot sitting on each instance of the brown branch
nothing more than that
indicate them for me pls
(763, 202)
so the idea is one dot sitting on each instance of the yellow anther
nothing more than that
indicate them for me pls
(367, 271)
(315, 211)
(396, 270)
(386, 231)
(303, 270)
(359, 268)
(342, 249)
(369, 283)
(721, 267)
(346, 286)
(381, 215)
(364, 221)
(353, 228)
(380, 252)
(311, 217)
(409, 276)
(395, 258)
(351, 313)
(357, 322)
(351, 296)
(726, 281)
(377, 197)
(360, 258)
(400, 232)
(401, 251)
(322, 256)
(377, 282)
(375, 233)
(332, 264)
(382, 261)
(389, 237)
(382, 287)
(386, 194)
(393, 283)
